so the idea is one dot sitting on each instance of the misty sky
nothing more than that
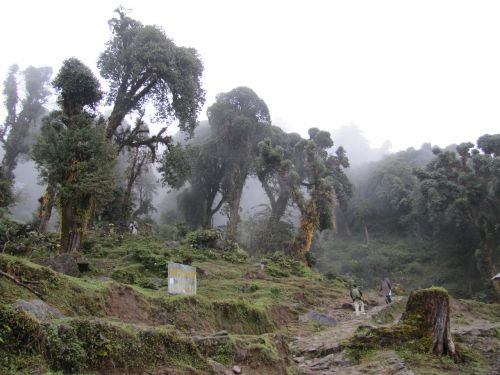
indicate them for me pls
(406, 71)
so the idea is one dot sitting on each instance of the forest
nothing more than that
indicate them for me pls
(427, 216)
(113, 187)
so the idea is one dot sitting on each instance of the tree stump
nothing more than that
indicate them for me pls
(424, 326)
(428, 310)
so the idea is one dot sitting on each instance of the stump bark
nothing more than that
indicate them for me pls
(429, 311)
(424, 326)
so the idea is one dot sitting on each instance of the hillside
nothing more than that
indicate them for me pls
(117, 317)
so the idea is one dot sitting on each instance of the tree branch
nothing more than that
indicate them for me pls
(12, 278)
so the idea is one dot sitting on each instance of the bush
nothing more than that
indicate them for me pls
(204, 238)
(281, 265)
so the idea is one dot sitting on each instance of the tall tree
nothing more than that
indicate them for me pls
(143, 66)
(315, 181)
(239, 120)
(73, 153)
(20, 120)
(276, 148)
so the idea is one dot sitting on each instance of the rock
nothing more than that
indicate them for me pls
(299, 359)
(318, 317)
(156, 282)
(217, 367)
(103, 278)
(38, 309)
(172, 244)
(237, 369)
(63, 263)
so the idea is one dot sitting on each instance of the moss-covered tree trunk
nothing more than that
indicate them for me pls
(75, 219)
(428, 310)
(46, 205)
(309, 222)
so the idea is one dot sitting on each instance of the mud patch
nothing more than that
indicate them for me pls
(124, 304)
(283, 315)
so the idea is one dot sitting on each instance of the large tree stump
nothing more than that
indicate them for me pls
(428, 310)
(424, 326)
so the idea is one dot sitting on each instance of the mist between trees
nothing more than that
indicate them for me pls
(425, 216)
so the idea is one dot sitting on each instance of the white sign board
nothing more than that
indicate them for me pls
(181, 279)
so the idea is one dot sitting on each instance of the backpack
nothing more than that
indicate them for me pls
(355, 293)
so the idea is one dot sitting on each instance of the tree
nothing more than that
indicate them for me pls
(144, 69)
(275, 149)
(204, 167)
(143, 66)
(239, 120)
(317, 172)
(73, 153)
(15, 131)
(314, 179)
(460, 192)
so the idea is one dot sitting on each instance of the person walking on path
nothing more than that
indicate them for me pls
(357, 296)
(386, 288)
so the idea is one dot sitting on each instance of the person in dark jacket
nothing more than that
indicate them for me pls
(386, 288)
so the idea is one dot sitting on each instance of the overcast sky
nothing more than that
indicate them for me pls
(408, 71)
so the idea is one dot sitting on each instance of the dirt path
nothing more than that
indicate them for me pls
(318, 349)
(321, 352)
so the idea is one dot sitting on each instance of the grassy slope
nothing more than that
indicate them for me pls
(233, 295)
(117, 322)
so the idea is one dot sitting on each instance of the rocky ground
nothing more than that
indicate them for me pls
(323, 351)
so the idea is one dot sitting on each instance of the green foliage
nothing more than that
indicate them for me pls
(6, 194)
(78, 87)
(286, 164)
(141, 65)
(19, 331)
(261, 234)
(74, 153)
(281, 265)
(239, 120)
(204, 238)
(457, 190)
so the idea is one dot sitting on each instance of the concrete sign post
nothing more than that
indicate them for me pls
(181, 279)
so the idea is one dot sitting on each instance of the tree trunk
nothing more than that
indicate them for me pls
(424, 327)
(279, 208)
(429, 311)
(309, 222)
(75, 218)
(46, 205)
(234, 204)
(367, 236)
(486, 252)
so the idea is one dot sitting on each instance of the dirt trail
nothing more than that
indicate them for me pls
(321, 353)
(318, 350)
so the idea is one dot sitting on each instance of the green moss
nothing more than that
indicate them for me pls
(390, 313)
(489, 311)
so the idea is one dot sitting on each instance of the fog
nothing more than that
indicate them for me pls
(381, 77)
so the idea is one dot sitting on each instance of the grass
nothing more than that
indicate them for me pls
(233, 295)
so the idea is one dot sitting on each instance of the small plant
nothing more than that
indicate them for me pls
(276, 292)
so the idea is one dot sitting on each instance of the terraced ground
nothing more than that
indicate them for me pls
(117, 317)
